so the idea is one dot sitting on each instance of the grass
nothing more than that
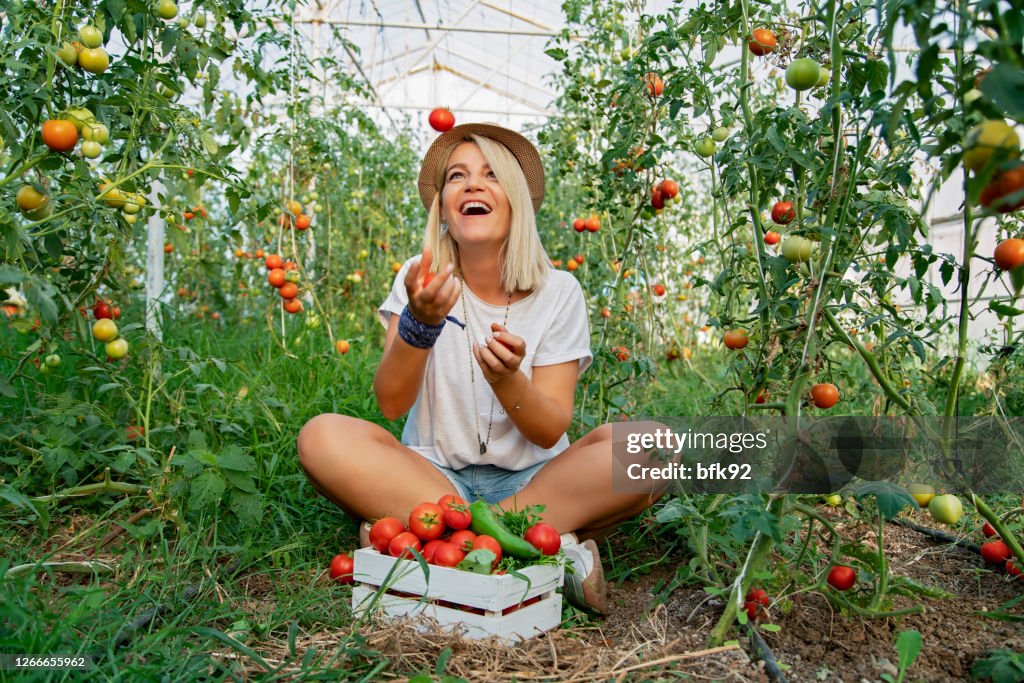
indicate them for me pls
(200, 575)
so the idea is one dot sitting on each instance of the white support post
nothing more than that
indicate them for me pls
(155, 265)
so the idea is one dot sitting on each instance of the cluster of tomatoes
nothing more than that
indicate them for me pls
(295, 217)
(591, 224)
(996, 552)
(756, 600)
(284, 277)
(105, 329)
(87, 52)
(664, 193)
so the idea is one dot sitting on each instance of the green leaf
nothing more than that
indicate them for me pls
(9, 275)
(234, 458)
(1004, 309)
(478, 561)
(1000, 666)
(240, 481)
(556, 53)
(889, 497)
(206, 490)
(1004, 85)
(908, 645)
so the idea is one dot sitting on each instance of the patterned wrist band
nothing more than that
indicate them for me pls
(415, 333)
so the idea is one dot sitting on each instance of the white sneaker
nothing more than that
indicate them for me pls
(585, 586)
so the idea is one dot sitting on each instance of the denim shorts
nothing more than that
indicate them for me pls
(490, 482)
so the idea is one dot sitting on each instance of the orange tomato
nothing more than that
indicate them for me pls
(302, 221)
(762, 42)
(274, 261)
(60, 135)
(289, 290)
(276, 277)
(168, 248)
(825, 395)
(736, 339)
(342, 346)
(655, 86)
(593, 224)
(293, 305)
(1009, 253)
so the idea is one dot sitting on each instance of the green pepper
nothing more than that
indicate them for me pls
(486, 523)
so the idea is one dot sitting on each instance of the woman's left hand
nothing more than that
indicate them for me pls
(501, 356)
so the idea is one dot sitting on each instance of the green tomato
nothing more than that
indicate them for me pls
(720, 134)
(834, 500)
(705, 147)
(53, 360)
(94, 60)
(166, 9)
(946, 509)
(824, 76)
(90, 36)
(129, 218)
(96, 132)
(797, 249)
(91, 149)
(79, 116)
(117, 349)
(68, 54)
(802, 74)
(200, 20)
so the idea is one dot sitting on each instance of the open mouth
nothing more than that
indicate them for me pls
(475, 209)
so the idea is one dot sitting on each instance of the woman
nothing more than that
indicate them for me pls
(484, 346)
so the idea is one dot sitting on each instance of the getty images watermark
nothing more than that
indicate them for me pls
(817, 454)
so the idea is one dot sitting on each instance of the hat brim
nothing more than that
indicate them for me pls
(521, 148)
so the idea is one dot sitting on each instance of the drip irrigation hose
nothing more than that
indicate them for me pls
(763, 652)
(939, 535)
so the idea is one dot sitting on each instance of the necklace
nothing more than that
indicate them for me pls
(472, 374)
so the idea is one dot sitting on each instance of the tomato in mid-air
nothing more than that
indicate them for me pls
(441, 120)
(802, 74)
(735, 339)
(762, 42)
(60, 135)
(544, 538)
(427, 521)
(383, 530)
(842, 577)
(825, 395)
(341, 569)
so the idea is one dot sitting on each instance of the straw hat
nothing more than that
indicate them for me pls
(521, 148)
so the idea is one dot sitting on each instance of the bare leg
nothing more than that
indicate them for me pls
(576, 489)
(363, 469)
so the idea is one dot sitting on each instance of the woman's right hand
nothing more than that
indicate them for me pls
(431, 296)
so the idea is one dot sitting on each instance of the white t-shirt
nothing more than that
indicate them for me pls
(443, 422)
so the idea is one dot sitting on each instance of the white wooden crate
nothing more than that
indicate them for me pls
(411, 593)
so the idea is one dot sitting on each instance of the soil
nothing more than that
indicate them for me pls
(817, 643)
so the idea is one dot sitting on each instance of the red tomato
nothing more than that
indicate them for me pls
(759, 596)
(658, 289)
(463, 539)
(448, 555)
(102, 310)
(383, 530)
(488, 543)
(544, 538)
(772, 237)
(400, 544)
(657, 199)
(735, 339)
(427, 521)
(783, 213)
(995, 552)
(430, 548)
(1012, 569)
(762, 42)
(669, 188)
(842, 577)
(751, 608)
(1009, 254)
(441, 120)
(579, 225)
(274, 261)
(825, 395)
(456, 512)
(988, 530)
(341, 568)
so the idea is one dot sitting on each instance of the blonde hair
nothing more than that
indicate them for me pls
(524, 262)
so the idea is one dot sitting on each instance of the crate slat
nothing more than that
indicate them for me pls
(512, 628)
(488, 592)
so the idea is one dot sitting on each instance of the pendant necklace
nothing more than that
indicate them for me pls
(472, 375)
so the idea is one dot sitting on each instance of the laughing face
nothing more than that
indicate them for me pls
(473, 203)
